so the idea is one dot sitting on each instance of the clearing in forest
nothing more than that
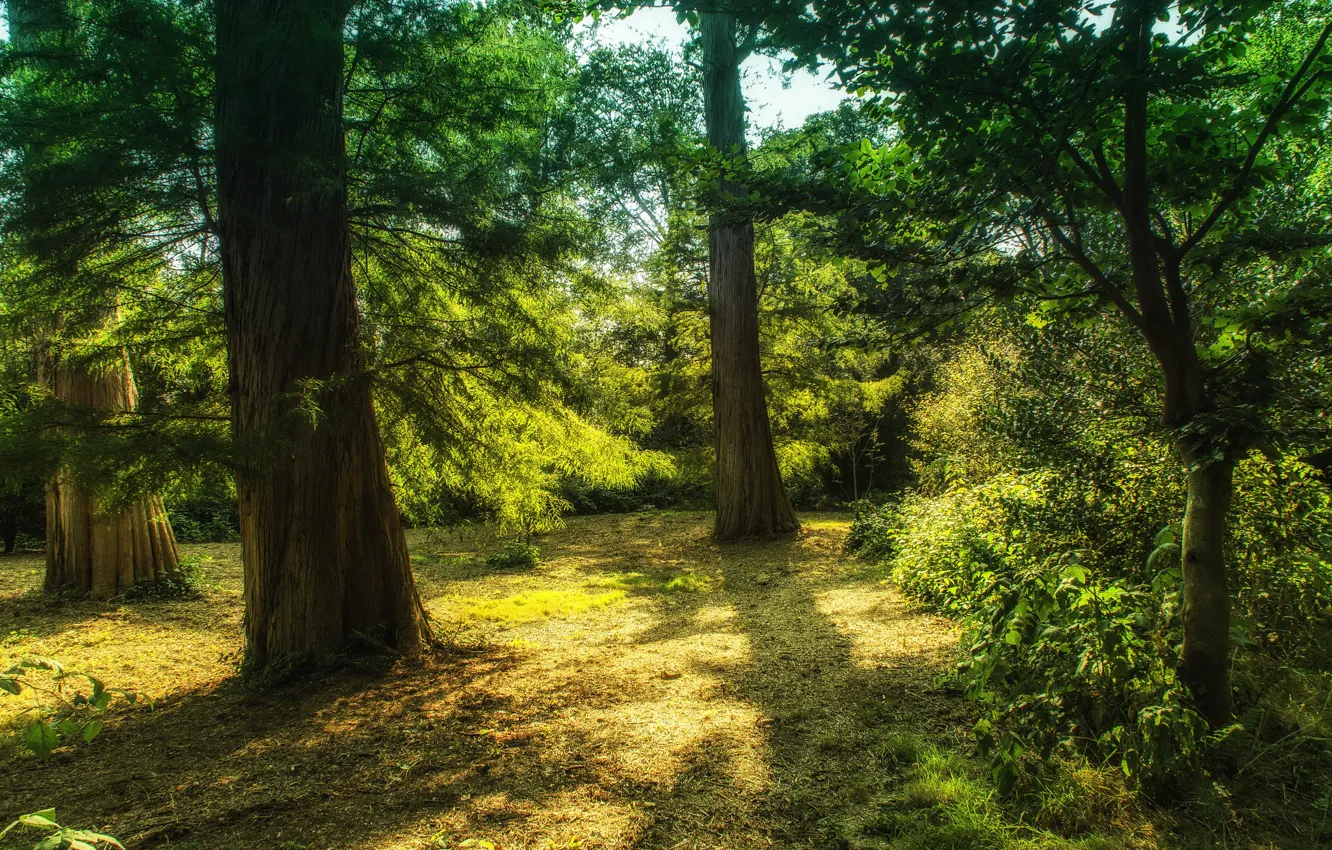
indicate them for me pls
(643, 687)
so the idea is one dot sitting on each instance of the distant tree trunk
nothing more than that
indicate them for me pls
(750, 496)
(9, 531)
(326, 563)
(88, 550)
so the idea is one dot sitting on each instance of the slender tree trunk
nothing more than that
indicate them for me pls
(326, 563)
(89, 550)
(1205, 661)
(1165, 323)
(9, 531)
(750, 496)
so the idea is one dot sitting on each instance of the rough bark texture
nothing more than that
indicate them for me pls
(326, 563)
(750, 496)
(89, 550)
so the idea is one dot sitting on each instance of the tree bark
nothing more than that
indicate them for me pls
(87, 549)
(750, 496)
(1205, 660)
(326, 563)
(9, 531)
(1166, 325)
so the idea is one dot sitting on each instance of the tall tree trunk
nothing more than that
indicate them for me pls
(1166, 325)
(750, 496)
(326, 563)
(87, 549)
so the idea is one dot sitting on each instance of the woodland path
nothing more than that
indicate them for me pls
(643, 688)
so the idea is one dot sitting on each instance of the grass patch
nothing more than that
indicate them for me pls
(943, 800)
(687, 582)
(532, 605)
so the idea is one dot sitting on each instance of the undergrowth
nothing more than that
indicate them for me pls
(185, 582)
(1046, 519)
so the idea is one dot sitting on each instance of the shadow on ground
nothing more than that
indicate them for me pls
(714, 697)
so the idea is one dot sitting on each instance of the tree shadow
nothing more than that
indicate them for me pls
(830, 709)
(740, 714)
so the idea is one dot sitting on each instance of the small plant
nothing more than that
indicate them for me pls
(515, 555)
(185, 583)
(76, 717)
(59, 837)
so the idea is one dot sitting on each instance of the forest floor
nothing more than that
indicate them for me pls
(642, 688)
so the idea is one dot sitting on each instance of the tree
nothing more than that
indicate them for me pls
(750, 496)
(91, 548)
(326, 562)
(1111, 161)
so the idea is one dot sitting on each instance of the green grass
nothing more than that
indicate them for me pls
(687, 582)
(943, 800)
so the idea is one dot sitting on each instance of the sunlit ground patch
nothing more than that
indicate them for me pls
(685, 582)
(527, 606)
(883, 630)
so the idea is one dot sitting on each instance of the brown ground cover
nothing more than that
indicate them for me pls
(644, 687)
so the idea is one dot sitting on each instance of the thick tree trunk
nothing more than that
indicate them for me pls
(1205, 662)
(326, 563)
(89, 550)
(750, 496)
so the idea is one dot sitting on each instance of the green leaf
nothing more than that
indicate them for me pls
(1169, 534)
(92, 837)
(10, 686)
(40, 820)
(41, 739)
(92, 730)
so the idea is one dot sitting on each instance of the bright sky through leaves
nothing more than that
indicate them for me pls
(771, 102)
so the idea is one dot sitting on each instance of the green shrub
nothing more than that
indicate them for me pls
(68, 715)
(1045, 519)
(515, 555)
(185, 583)
(205, 517)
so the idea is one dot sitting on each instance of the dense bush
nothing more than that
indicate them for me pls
(1045, 517)
(185, 583)
(206, 516)
(514, 555)
(650, 493)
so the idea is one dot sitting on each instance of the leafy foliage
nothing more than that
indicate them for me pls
(514, 555)
(1047, 518)
(59, 837)
(74, 716)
